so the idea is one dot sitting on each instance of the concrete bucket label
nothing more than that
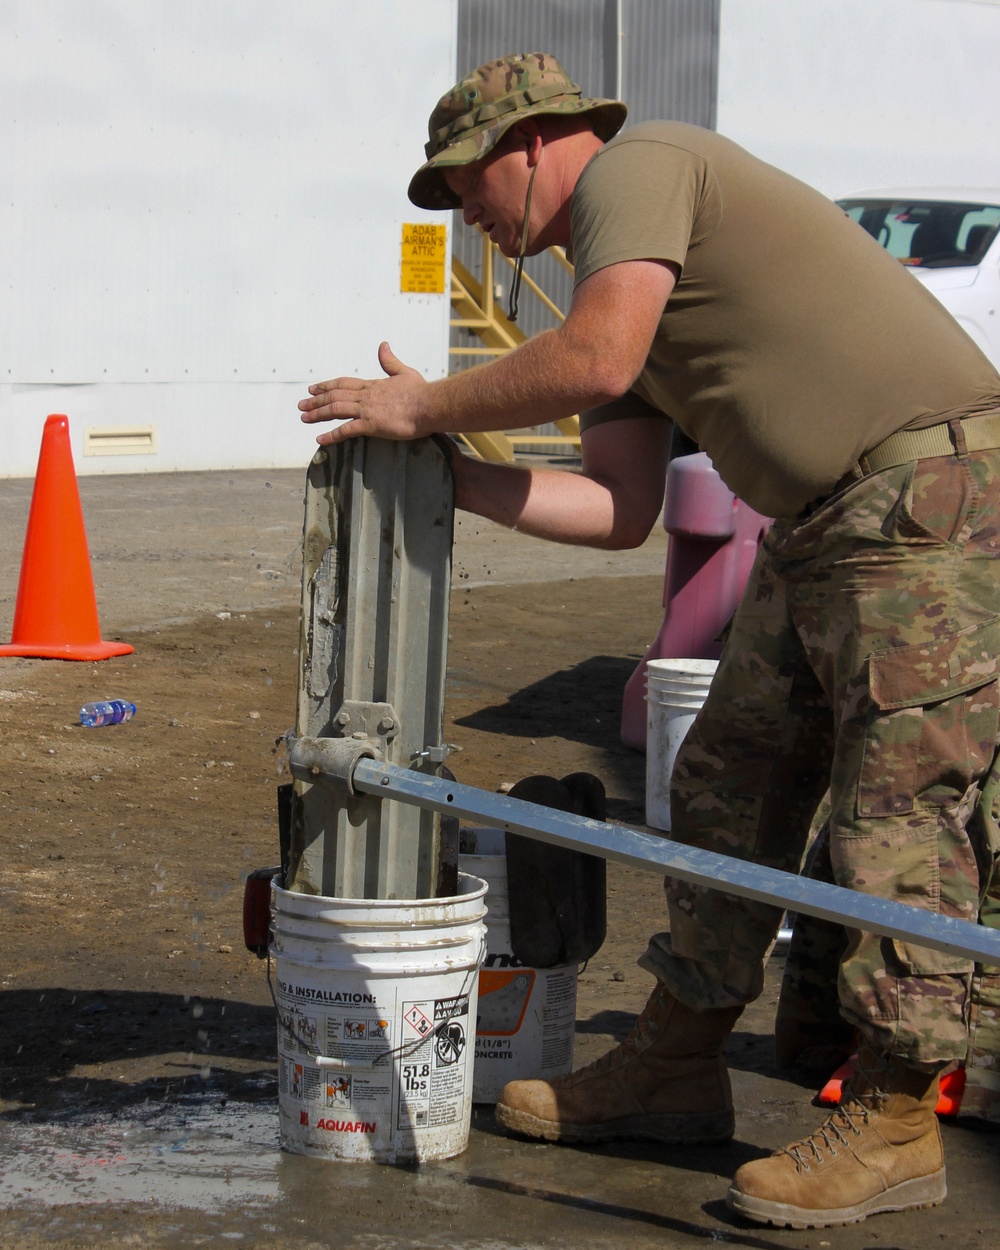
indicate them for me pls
(405, 1069)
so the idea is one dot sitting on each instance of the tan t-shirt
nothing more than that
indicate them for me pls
(792, 342)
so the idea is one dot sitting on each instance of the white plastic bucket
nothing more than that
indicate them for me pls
(376, 1007)
(527, 1016)
(675, 690)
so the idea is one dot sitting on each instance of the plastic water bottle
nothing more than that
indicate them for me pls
(106, 712)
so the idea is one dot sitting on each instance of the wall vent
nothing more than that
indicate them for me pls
(119, 440)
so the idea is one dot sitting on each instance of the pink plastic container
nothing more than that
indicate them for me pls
(713, 543)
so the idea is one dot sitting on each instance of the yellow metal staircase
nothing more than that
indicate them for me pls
(474, 308)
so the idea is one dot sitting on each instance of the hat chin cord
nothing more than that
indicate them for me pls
(515, 286)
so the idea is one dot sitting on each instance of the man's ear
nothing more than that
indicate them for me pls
(529, 138)
(534, 143)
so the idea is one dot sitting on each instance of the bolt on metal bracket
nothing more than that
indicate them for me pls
(373, 720)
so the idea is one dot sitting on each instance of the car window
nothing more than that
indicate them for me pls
(933, 234)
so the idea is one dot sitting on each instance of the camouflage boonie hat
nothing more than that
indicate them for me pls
(468, 122)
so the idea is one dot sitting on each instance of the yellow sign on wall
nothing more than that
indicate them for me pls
(424, 257)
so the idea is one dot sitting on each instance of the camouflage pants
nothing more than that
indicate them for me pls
(864, 659)
(809, 1031)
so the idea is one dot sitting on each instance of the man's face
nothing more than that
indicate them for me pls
(493, 193)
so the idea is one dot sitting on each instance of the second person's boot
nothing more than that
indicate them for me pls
(667, 1081)
(879, 1151)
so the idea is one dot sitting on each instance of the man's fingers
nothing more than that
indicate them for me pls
(381, 407)
(320, 392)
(334, 405)
(340, 398)
(339, 432)
(339, 384)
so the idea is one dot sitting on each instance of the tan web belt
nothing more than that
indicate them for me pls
(981, 434)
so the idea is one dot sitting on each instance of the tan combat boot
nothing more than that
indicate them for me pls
(667, 1081)
(879, 1151)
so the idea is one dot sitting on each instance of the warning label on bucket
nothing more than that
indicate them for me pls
(450, 1044)
(412, 1054)
(432, 1074)
(383, 1071)
(415, 1015)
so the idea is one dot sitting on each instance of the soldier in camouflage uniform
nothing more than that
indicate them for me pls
(833, 393)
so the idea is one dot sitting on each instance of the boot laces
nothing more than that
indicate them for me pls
(850, 1119)
(833, 1134)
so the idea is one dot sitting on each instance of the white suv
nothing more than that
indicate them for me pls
(951, 241)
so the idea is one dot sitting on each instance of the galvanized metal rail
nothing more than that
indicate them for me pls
(340, 762)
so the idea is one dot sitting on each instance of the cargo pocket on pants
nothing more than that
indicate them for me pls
(932, 728)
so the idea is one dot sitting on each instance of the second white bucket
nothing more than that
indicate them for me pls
(675, 691)
(376, 1023)
(527, 1016)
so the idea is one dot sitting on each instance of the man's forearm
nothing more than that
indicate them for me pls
(613, 503)
(560, 506)
(544, 380)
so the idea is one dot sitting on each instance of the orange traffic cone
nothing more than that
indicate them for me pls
(56, 613)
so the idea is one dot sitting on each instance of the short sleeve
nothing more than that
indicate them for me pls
(628, 405)
(638, 200)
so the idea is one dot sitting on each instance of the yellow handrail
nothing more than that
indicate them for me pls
(474, 303)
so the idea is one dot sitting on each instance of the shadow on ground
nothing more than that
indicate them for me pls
(120, 1047)
(581, 704)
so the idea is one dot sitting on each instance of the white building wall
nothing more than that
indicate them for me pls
(201, 212)
(850, 94)
(201, 201)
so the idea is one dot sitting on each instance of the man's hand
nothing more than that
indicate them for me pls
(592, 358)
(389, 407)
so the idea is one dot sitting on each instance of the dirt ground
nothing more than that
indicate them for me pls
(125, 985)
(128, 843)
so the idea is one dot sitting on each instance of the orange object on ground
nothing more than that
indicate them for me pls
(56, 613)
(949, 1096)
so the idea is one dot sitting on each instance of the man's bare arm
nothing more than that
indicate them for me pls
(612, 503)
(593, 357)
